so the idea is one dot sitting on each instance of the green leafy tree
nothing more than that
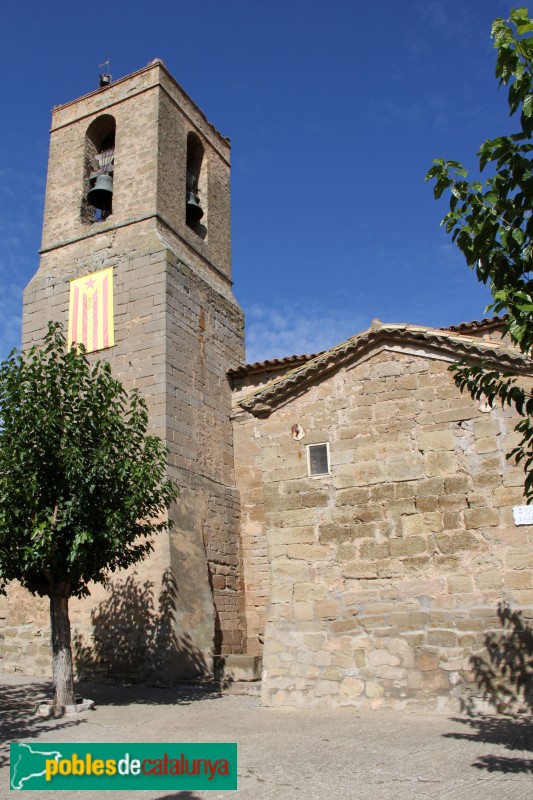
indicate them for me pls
(491, 223)
(83, 489)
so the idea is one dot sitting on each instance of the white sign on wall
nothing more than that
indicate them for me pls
(523, 515)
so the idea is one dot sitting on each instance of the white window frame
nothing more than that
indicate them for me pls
(318, 474)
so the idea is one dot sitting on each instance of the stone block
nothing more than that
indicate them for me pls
(523, 579)
(488, 444)
(352, 687)
(486, 427)
(520, 558)
(309, 591)
(406, 468)
(429, 522)
(332, 674)
(457, 484)
(455, 542)
(460, 583)
(323, 687)
(426, 661)
(374, 550)
(354, 569)
(397, 509)
(368, 513)
(452, 520)
(374, 690)
(396, 674)
(368, 472)
(436, 440)
(381, 493)
(328, 609)
(431, 486)
(442, 638)
(455, 414)
(491, 579)
(382, 657)
(439, 463)
(407, 547)
(436, 681)
(237, 667)
(429, 503)
(508, 496)
(335, 534)
(314, 641)
(481, 517)
(346, 552)
(364, 530)
(308, 552)
(345, 626)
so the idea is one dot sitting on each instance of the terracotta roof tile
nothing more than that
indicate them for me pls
(487, 322)
(271, 363)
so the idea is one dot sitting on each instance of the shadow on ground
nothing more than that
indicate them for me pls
(504, 679)
(18, 721)
(111, 694)
(513, 732)
(179, 796)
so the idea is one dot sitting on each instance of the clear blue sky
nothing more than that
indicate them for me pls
(335, 111)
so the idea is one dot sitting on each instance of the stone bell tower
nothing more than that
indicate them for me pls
(142, 152)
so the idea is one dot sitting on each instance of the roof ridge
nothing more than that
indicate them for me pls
(258, 401)
(376, 324)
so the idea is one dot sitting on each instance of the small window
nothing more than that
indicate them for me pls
(318, 459)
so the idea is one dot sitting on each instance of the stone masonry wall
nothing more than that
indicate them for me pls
(177, 331)
(385, 576)
(155, 355)
(255, 568)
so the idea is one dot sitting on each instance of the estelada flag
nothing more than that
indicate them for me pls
(90, 318)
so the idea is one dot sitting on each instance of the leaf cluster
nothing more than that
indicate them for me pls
(83, 489)
(491, 222)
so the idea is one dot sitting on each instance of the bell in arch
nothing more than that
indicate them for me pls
(101, 195)
(193, 210)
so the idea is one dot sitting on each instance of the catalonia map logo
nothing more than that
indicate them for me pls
(118, 767)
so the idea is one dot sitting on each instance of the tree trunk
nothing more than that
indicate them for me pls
(61, 650)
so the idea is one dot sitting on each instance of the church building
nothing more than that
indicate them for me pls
(348, 519)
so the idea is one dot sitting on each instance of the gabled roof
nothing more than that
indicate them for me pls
(488, 323)
(447, 342)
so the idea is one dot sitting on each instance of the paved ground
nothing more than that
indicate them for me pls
(290, 754)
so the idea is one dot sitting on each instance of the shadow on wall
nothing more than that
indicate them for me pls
(505, 675)
(134, 637)
(505, 678)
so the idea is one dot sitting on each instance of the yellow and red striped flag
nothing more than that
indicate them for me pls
(90, 318)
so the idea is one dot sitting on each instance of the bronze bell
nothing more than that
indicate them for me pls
(193, 210)
(101, 195)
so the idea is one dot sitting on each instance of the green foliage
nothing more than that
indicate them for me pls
(82, 487)
(492, 223)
